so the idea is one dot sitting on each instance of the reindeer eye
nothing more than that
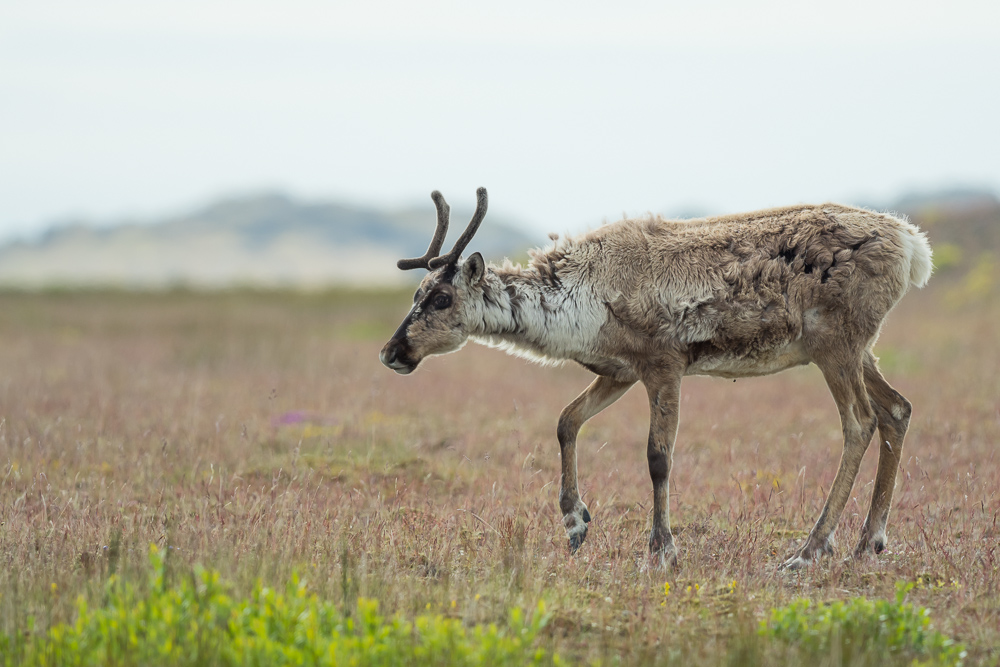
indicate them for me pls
(442, 301)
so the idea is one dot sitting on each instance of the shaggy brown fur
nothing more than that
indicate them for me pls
(654, 300)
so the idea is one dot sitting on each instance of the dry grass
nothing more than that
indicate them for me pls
(257, 433)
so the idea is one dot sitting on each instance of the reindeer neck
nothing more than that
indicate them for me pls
(536, 315)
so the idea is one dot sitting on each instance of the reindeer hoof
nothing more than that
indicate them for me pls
(808, 555)
(667, 559)
(870, 545)
(575, 523)
(659, 561)
(796, 563)
(662, 552)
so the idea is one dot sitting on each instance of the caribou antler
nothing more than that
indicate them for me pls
(431, 260)
(466, 237)
(435, 247)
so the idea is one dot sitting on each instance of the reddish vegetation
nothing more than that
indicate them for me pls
(260, 434)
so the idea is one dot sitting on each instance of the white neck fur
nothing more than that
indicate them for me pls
(545, 320)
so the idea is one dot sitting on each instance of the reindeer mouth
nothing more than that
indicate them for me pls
(401, 368)
(394, 357)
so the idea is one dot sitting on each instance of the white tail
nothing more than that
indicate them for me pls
(918, 250)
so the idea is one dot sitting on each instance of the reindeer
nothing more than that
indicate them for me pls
(652, 300)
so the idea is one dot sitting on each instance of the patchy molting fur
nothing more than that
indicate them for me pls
(739, 295)
(653, 300)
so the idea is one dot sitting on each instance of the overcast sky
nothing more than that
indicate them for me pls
(570, 113)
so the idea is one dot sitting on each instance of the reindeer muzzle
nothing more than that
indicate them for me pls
(395, 355)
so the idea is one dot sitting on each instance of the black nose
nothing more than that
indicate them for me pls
(390, 353)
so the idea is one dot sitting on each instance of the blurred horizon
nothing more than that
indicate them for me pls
(569, 114)
(903, 202)
(272, 240)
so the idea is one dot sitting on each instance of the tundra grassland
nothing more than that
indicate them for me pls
(256, 434)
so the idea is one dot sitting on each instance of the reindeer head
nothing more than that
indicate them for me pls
(446, 298)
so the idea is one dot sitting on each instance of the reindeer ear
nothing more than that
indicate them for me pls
(474, 269)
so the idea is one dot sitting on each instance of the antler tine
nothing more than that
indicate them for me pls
(466, 237)
(444, 212)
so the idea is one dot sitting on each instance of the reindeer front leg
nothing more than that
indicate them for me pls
(600, 394)
(664, 409)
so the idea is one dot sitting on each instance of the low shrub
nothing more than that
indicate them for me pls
(195, 622)
(862, 631)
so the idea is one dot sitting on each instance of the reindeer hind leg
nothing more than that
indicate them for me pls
(893, 411)
(844, 376)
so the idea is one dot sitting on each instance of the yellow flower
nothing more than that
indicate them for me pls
(666, 589)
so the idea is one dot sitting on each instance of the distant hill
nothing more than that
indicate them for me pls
(261, 240)
(274, 240)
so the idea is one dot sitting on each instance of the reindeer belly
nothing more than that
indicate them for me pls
(608, 367)
(707, 360)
